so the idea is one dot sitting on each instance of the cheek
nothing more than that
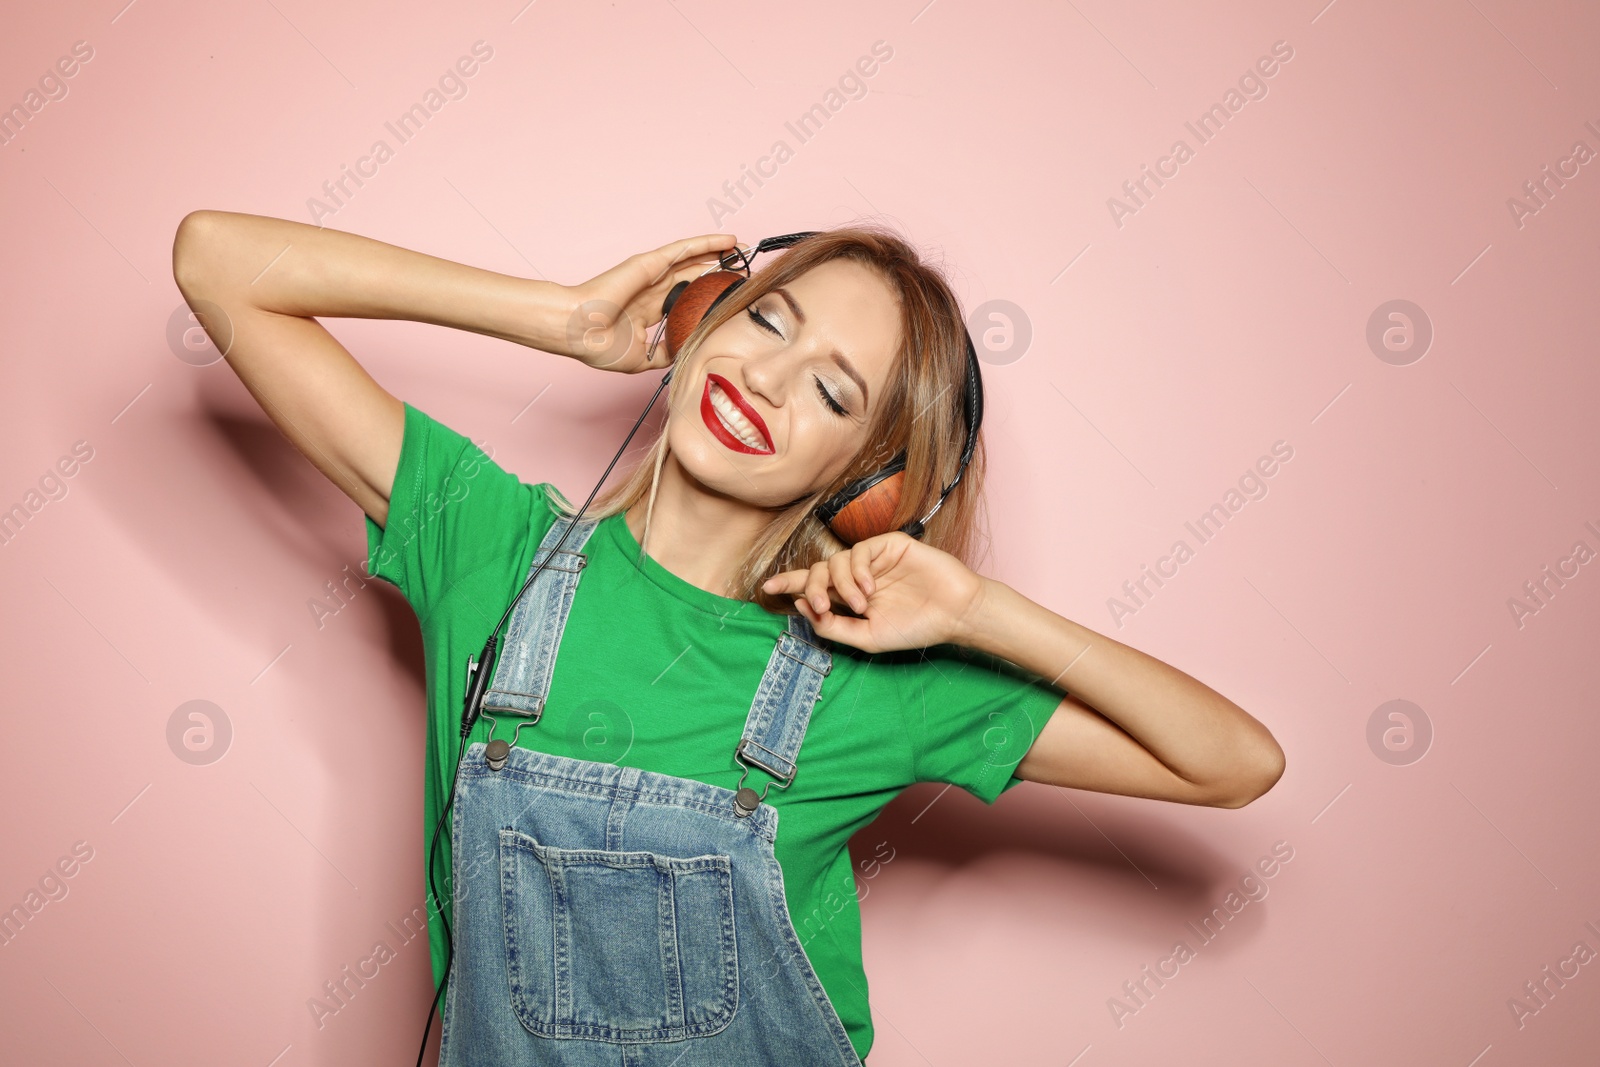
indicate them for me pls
(825, 450)
(822, 448)
(689, 441)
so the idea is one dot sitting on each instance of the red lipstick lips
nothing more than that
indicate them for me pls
(714, 423)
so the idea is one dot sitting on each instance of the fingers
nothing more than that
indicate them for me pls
(848, 572)
(673, 253)
(788, 583)
(856, 632)
(694, 246)
(812, 584)
(840, 572)
(861, 567)
(817, 583)
(804, 608)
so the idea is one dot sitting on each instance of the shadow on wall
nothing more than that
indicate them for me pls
(1044, 836)
(208, 494)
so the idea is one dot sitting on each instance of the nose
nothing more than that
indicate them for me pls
(768, 375)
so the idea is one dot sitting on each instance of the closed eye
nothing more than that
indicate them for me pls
(827, 398)
(761, 320)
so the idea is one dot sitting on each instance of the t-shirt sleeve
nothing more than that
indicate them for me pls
(451, 509)
(972, 717)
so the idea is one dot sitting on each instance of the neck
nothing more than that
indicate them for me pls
(698, 535)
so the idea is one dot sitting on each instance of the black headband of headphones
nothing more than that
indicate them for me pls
(971, 400)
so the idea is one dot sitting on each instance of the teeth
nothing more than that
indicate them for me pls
(735, 421)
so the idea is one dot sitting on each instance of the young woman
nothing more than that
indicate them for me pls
(612, 898)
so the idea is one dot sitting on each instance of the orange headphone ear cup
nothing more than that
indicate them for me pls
(692, 302)
(871, 513)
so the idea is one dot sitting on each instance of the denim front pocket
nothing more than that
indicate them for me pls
(618, 946)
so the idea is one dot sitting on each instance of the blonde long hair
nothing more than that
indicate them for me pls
(921, 413)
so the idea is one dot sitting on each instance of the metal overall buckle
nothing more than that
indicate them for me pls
(746, 799)
(497, 751)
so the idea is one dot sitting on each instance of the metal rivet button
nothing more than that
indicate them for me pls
(745, 801)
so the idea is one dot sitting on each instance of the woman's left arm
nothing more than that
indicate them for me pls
(1131, 724)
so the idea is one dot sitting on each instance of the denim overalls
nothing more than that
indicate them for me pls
(607, 915)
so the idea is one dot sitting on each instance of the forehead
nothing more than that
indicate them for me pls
(852, 307)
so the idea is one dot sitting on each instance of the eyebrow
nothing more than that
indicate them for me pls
(844, 364)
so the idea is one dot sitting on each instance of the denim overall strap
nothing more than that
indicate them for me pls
(781, 710)
(522, 670)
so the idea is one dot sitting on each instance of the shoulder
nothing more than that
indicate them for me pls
(448, 466)
(453, 510)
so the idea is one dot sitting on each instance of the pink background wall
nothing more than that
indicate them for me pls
(1227, 311)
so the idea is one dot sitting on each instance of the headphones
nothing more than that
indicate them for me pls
(866, 506)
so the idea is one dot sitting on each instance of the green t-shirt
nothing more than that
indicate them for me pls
(656, 673)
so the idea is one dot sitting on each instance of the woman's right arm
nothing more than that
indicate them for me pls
(258, 283)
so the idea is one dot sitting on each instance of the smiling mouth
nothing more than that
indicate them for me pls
(731, 420)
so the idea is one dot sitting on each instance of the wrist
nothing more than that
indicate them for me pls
(979, 625)
(539, 316)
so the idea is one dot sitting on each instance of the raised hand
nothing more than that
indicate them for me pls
(907, 594)
(613, 313)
